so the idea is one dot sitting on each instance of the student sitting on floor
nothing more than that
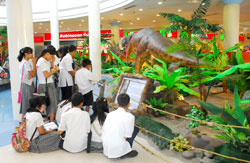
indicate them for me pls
(84, 78)
(76, 124)
(100, 109)
(43, 140)
(119, 131)
(63, 107)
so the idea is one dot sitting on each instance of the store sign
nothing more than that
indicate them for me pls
(38, 39)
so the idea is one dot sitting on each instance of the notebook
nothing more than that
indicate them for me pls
(50, 125)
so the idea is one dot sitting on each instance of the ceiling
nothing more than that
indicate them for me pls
(130, 16)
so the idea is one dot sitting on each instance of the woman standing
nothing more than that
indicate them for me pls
(28, 72)
(45, 71)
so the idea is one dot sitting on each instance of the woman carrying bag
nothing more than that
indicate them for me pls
(28, 72)
(45, 71)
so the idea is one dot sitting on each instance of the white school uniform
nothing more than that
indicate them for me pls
(83, 79)
(25, 69)
(43, 65)
(118, 124)
(61, 110)
(76, 123)
(33, 120)
(65, 78)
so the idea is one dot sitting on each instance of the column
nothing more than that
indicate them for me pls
(94, 37)
(115, 31)
(231, 22)
(54, 24)
(20, 34)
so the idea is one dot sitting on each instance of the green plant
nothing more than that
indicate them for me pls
(197, 114)
(179, 144)
(169, 82)
(157, 103)
(197, 24)
(79, 58)
(238, 137)
(155, 127)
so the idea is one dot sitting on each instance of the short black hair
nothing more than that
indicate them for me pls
(123, 99)
(72, 48)
(51, 49)
(36, 101)
(86, 62)
(77, 99)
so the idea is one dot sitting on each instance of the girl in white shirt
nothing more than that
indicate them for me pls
(28, 72)
(43, 140)
(45, 71)
(100, 109)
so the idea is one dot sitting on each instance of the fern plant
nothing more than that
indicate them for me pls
(157, 103)
(179, 144)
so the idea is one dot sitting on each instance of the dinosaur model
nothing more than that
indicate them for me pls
(147, 43)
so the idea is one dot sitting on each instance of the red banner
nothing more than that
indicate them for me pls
(38, 39)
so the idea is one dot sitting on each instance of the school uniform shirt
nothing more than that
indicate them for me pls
(96, 130)
(76, 123)
(65, 78)
(118, 124)
(33, 120)
(25, 67)
(83, 79)
(61, 110)
(57, 61)
(43, 65)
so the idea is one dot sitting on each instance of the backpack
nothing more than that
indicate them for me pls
(19, 140)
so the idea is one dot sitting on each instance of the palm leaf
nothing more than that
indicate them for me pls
(239, 114)
(239, 57)
(202, 9)
(188, 90)
(232, 48)
(118, 59)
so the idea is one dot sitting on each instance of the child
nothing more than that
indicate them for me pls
(43, 140)
(83, 79)
(100, 109)
(76, 124)
(119, 131)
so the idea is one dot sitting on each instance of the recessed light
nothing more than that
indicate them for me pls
(154, 21)
(120, 28)
(62, 22)
(121, 14)
(47, 29)
(179, 10)
(68, 28)
(35, 32)
(159, 3)
(82, 20)
(138, 18)
(40, 27)
(102, 18)
(80, 25)
(118, 21)
(158, 15)
(140, 9)
(60, 26)
(131, 23)
(41, 23)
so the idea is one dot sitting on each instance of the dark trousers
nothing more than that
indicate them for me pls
(66, 92)
(131, 140)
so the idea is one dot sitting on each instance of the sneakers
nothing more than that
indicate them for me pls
(131, 154)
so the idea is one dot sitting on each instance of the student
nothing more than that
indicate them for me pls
(119, 131)
(100, 109)
(76, 124)
(43, 140)
(45, 71)
(27, 73)
(84, 78)
(63, 107)
(67, 73)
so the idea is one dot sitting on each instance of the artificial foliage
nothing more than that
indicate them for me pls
(196, 114)
(179, 143)
(155, 127)
(157, 103)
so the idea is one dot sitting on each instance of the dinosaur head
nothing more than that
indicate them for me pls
(125, 41)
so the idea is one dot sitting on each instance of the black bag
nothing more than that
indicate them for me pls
(47, 95)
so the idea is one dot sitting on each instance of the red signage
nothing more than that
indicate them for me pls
(38, 39)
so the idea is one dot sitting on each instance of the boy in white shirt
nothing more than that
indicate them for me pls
(84, 78)
(119, 131)
(76, 124)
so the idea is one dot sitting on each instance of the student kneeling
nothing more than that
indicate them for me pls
(119, 131)
(76, 124)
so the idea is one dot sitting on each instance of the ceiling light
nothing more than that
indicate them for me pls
(158, 15)
(80, 25)
(179, 10)
(118, 21)
(40, 27)
(154, 21)
(68, 28)
(131, 23)
(47, 29)
(41, 23)
(159, 3)
(140, 9)
(82, 20)
(102, 18)
(121, 14)
(60, 26)
(62, 22)
(138, 18)
(120, 28)
(35, 32)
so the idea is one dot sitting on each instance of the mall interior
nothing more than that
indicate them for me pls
(184, 63)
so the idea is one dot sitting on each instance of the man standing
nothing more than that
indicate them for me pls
(67, 73)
